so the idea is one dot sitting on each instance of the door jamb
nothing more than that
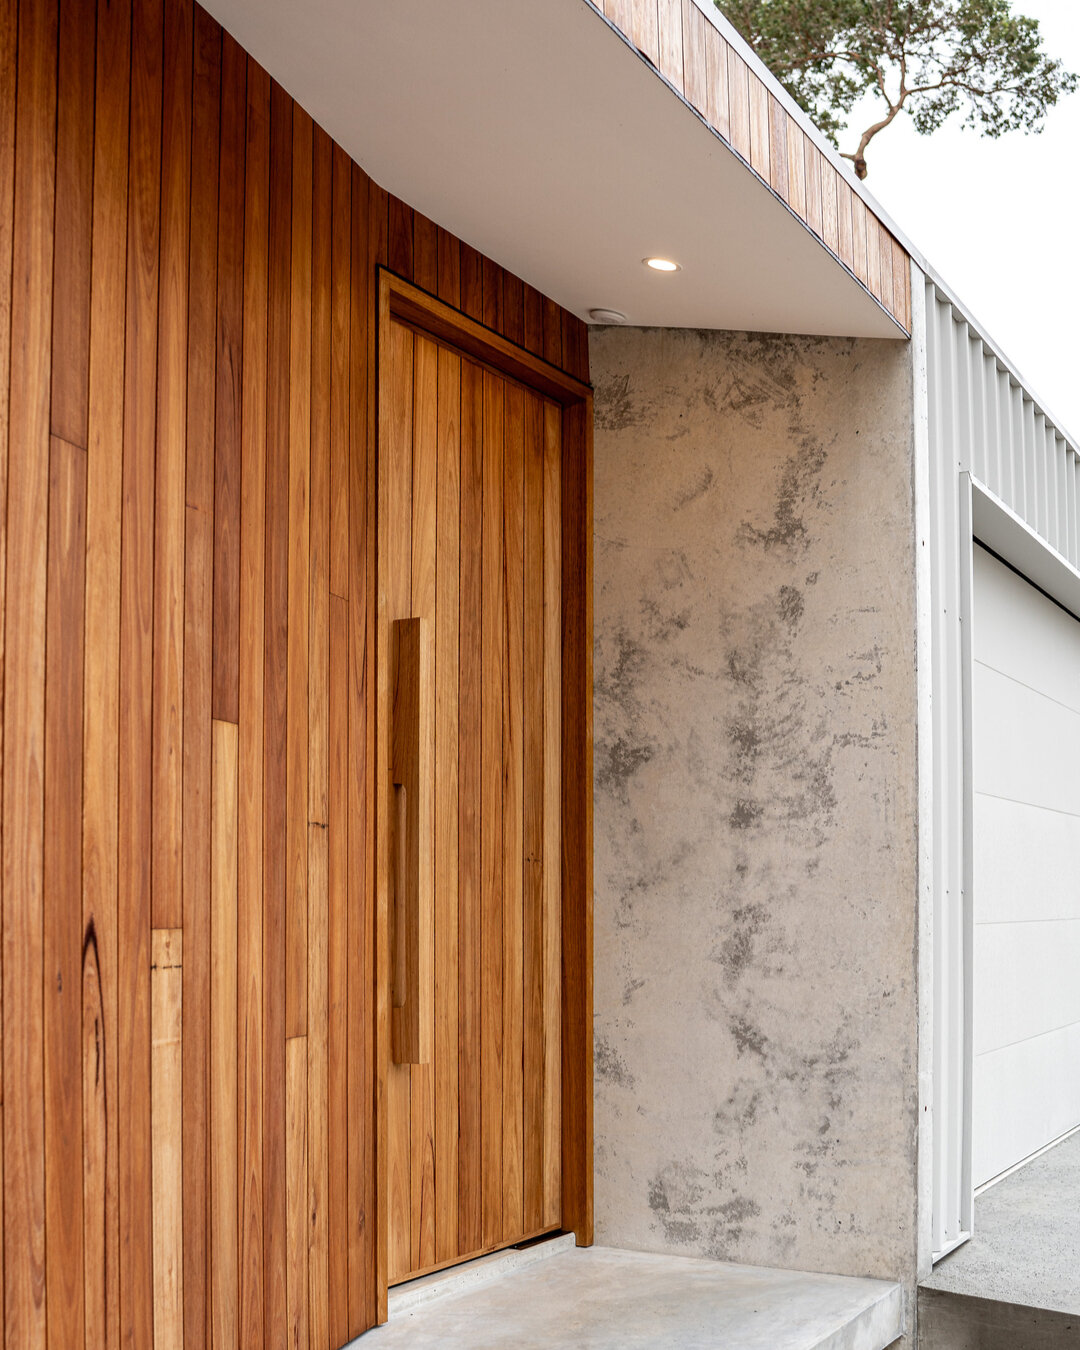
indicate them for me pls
(399, 299)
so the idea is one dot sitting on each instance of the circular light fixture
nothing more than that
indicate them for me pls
(661, 264)
(611, 316)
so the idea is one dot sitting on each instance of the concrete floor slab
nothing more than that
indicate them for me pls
(602, 1299)
(1026, 1247)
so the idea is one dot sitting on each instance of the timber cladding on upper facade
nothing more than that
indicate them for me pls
(188, 293)
(693, 56)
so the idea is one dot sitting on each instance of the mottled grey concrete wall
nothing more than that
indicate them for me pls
(755, 922)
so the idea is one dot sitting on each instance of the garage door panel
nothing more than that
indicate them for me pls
(1026, 767)
(1025, 1097)
(1037, 881)
(1027, 746)
(1028, 981)
(1023, 634)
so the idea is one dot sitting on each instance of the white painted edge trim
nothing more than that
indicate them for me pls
(967, 666)
(1000, 528)
(924, 692)
(951, 1246)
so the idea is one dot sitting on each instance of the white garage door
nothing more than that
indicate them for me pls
(1026, 753)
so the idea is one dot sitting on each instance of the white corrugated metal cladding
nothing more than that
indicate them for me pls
(1003, 473)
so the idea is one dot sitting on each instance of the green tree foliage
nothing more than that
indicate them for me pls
(929, 58)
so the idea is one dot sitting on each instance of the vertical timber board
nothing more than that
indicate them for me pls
(395, 600)
(104, 469)
(64, 658)
(24, 711)
(491, 806)
(74, 205)
(198, 610)
(513, 688)
(62, 882)
(228, 400)
(552, 926)
(577, 1096)
(299, 598)
(533, 837)
(340, 361)
(296, 1164)
(249, 940)
(446, 791)
(424, 478)
(136, 676)
(169, 470)
(338, 930)
(470, 1183)
(224, 1280)
(9, 45)
(318, 746)
(166, 1108)
(338, 721)
(275, 964)
(368, 1035)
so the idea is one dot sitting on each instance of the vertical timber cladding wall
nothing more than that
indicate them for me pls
(755, 895)
(187, 291)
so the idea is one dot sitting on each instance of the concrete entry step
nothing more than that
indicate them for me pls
(602, 1299)
(1015, 1285)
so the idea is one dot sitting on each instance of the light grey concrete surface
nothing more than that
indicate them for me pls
(599, 1299)
(1026, 1246)
(755, 799)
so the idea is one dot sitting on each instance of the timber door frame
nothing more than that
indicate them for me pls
(400, 300)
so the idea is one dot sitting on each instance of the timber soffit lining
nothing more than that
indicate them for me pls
(742, 104)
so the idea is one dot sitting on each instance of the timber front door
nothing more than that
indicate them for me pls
(470, 672)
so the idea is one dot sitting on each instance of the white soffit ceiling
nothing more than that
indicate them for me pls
(532, 131)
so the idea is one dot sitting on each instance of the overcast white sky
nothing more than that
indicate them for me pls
(1000, 221)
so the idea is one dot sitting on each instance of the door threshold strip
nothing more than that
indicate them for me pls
(406, 1297)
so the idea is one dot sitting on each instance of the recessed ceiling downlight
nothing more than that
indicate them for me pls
(661, 264)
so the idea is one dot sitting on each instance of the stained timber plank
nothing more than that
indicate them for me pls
(136, 678)
(74, 206)
(167, 709)
(296, 1187)
(249, 938)
(552, 825)
(493, 643)
(424, 479)
(198, 619)
(399, 489)
(470, 602)
(319, 747)
(299, 595)
(338, 976)
(448, 525)
(229, 392)
(101, 684)
(533, 820)
(339, 382)
(513, 688)
(224, 1171)
(276, 651)
(62, 882)
(166, 1108)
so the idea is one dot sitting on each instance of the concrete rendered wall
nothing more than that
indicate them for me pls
(755, 797)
